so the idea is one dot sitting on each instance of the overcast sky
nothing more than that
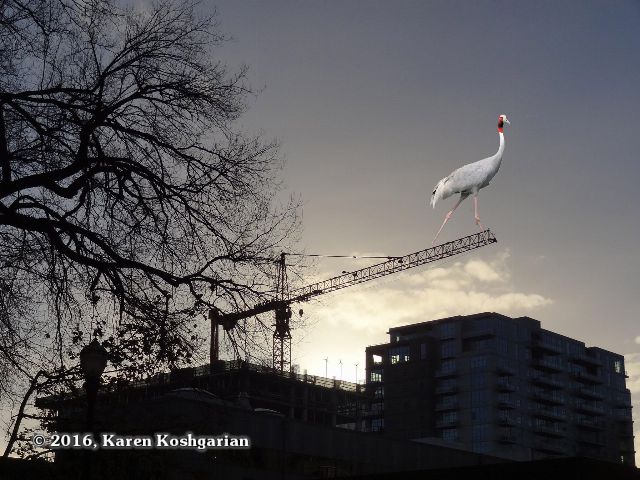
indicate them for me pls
(375, 101)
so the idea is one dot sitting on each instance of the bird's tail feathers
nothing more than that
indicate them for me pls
(439, 192)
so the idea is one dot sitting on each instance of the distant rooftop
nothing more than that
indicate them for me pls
(404, 329)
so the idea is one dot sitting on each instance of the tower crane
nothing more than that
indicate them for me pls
(281, 304)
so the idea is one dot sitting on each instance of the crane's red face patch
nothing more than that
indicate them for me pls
(500, 124)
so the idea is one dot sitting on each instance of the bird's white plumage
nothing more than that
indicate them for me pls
(469, 178)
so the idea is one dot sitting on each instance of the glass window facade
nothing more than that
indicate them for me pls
(399, 354)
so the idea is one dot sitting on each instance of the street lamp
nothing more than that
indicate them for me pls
(93, 360)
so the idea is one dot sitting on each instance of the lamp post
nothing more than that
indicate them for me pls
(93, 360)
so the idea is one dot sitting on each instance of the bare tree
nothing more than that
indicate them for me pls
(130, 202)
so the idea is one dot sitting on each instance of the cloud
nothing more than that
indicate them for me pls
(483, 271)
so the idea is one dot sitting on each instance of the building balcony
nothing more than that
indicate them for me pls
(446, 372)
(592, 440)
(505, 419)
(549, 445)
(585, 377)
(623, 401)
(505, 385)
(503, 369)
(586, 450)
(590, 423)
(622, 415)
(507, 438)
(546, 345)
(552, 398)
(446, 422)
(479, 332)
(546, 380)
(450, 405)
(626, 432)
(506, 405)
(440, 389)
(550, 429)
(588, 407)
(589, 392)
(622, 404)
(585, 359)
(549, 413)
(548, 364)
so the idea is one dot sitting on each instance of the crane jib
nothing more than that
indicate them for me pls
(394, 265)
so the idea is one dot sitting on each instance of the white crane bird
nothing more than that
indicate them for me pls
(469, 179)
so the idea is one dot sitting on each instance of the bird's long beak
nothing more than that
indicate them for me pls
(507, 121)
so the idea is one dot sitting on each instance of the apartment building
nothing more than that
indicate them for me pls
(500, 386)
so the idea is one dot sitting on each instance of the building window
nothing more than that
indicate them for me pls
(481, 447)
(399, 354)
(377, 424)
(479, 363)
(479, 397)
(479, 433)
(503, 347)
(378, 392)
(575, 349)
(617, 366)
(482, 344)
(447, 384)
(479, 415)
(449, 349)
(450, 434)
(376, 375)
(447, 330)
(448, 366)
(618, 382)
(508, 398)
(556, 341)
(376, 359)
(377, 407)
(480, 324)
(449, 417)
(479, 379)
(449, 400)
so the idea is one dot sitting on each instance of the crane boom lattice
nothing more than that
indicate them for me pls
(395, 265)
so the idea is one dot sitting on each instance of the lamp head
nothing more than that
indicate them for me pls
(93, 359)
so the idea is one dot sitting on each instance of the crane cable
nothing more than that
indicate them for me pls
(387, 257)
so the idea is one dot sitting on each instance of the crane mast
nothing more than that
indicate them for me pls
(281, 305)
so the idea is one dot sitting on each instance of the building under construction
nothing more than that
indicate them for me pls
(309, 398)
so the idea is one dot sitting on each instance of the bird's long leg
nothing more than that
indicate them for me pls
(448, 216)
(475, 205)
